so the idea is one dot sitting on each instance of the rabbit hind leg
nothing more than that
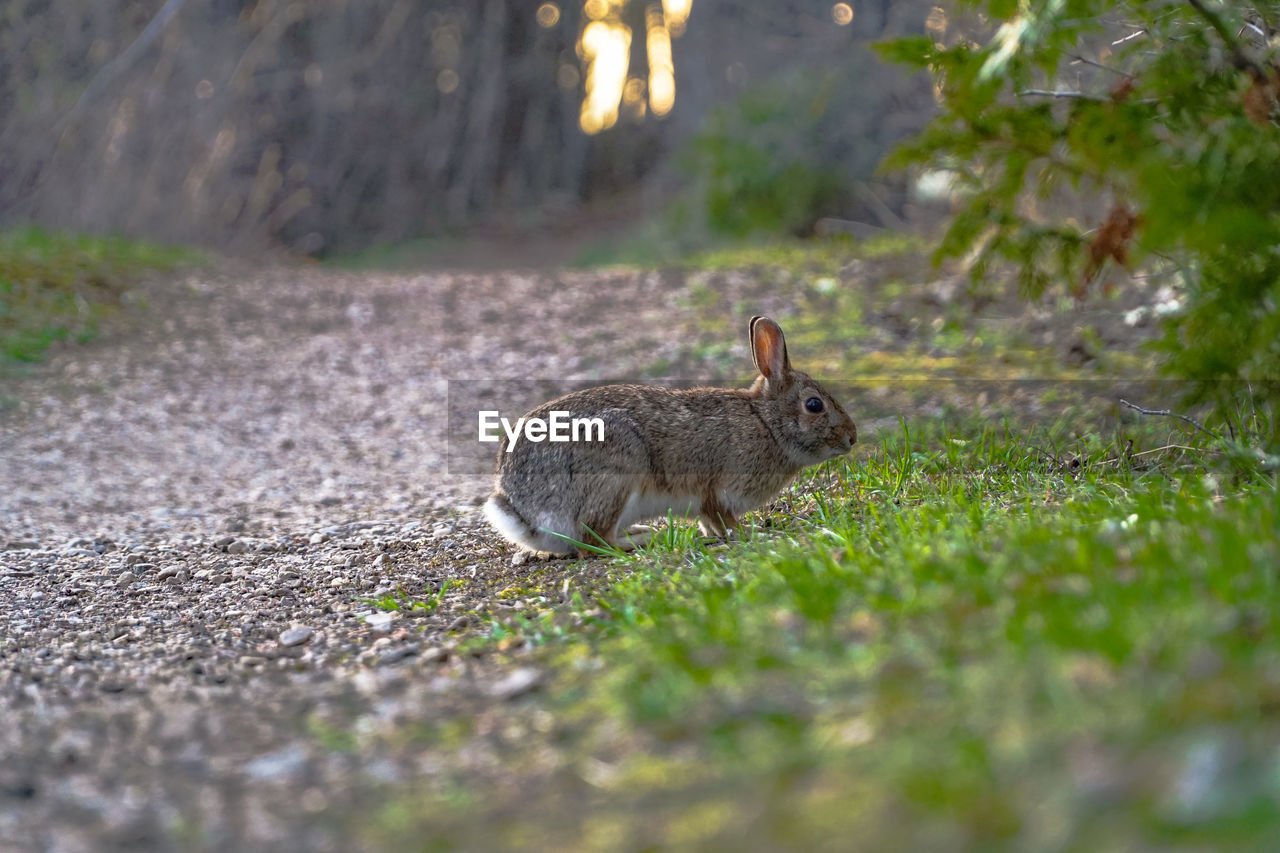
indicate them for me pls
(716, 520)
(599, 525)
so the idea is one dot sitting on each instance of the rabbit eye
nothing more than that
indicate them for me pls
(813, 404)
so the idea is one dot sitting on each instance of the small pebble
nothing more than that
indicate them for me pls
(517, 683)
(295, 636)
(434, 654)
(397, 654)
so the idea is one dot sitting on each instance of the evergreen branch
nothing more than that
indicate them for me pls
(1045, 93)
(1075, 57)
(1079, 96)
(1243, 62)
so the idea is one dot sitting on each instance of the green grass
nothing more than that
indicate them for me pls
(656, 245)
(874, 310)
(401, 602)
(818, 255)
(59, 287)
(959, 641)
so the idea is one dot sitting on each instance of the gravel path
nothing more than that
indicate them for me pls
(194, 511)
(197, 510)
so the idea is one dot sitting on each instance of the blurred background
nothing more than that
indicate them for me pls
(327, 127)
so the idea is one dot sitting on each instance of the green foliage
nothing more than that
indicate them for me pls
(815, 255)
(963, 641)
(1166, 126)
(400, 601)
(757, 178)
(56, 287)
(799, 147)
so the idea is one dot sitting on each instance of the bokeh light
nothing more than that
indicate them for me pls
(675, 13)
(567, 76)
(662, 69)
(842, 14)
(633, 97)
(548, 15)
(605, 48)
(936, 22)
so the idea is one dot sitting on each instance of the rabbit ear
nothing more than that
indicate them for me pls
(769, 349)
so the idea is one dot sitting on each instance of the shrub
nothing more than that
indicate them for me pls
(1167, 116)
(804, 145)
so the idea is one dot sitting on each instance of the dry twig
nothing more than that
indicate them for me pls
(1171, 414)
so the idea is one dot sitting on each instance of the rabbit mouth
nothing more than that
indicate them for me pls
(818, 455)
(839, 450)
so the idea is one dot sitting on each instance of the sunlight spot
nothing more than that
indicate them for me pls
(675, 13)
(633, 97)
(605, 47)
(1009, 37)
(662, 69)
(842, 14)
(633, 91)
(936, 22)
(548, 15)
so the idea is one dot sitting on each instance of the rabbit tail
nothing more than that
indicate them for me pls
(508, 521)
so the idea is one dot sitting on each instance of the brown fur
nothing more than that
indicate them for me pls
(727, 450)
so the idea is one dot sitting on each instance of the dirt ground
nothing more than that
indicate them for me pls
(198, 509)
(194, 512)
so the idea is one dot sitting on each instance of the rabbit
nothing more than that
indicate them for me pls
(714, 453)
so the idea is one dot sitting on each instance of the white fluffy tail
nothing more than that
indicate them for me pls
(514, 528)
